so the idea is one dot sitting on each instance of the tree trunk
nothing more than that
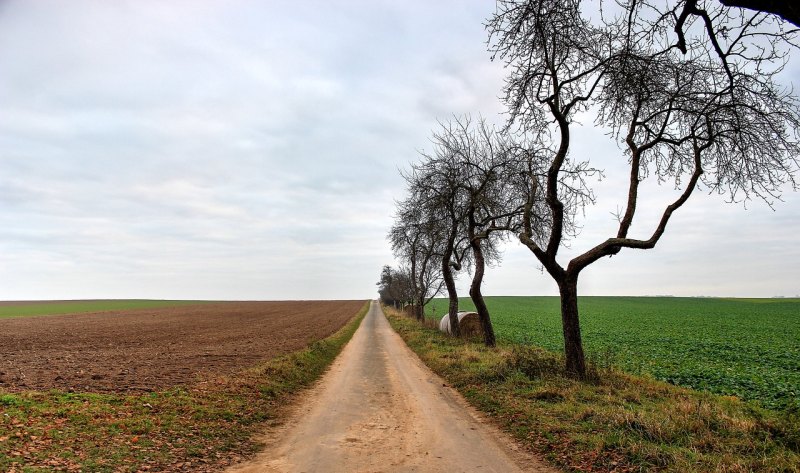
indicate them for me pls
(449, 282)
(419, 310)
(475, 289)
(573, 347)
(415, 301)
(483, 311)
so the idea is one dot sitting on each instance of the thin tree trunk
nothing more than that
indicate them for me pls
(449, 282)
(419, 310)
(447, 275)
(414, 288)
(573, 347)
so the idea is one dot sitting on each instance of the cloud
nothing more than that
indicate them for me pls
(240, 150)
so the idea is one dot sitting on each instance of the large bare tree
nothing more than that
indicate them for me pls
(681, 114)
(435, 187)
(490, 164)
(466, 195)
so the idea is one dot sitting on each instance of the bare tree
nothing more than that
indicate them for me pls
(416, 241)
(489, 166)
(464, 198)
(436, 189)
(683, 115)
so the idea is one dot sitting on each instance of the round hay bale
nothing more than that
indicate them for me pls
(444, 324)
(468, 322)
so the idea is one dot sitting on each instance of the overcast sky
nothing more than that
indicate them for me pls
(249, 150)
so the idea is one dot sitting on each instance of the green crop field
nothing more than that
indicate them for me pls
(26, 309)
(749, 348)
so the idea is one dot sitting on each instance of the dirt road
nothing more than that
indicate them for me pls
(379, 409)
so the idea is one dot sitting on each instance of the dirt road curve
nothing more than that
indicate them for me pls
(379, 409)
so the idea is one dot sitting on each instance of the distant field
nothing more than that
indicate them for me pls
(31, 308)
(147, 349)
(749, 348)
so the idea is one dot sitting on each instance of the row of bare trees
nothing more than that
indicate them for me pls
(461, 202)
(687, 90)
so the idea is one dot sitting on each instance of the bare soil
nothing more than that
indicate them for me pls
(150, 349)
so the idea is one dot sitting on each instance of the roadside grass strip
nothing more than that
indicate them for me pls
(200, 427)
(615, 422)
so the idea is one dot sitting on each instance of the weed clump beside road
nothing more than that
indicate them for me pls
(200, 427)
(615, 422)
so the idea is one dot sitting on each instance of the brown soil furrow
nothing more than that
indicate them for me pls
(148, 349)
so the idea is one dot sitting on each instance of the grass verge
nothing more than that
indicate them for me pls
(619, 422)
(196, 428)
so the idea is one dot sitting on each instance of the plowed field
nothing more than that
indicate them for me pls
(148, 349)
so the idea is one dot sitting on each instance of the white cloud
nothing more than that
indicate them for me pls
(249, 150)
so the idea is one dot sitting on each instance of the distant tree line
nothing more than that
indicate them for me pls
(687, 89)
(394, 287)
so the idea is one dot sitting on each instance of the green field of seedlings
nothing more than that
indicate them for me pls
(26, 309)
(749, 348)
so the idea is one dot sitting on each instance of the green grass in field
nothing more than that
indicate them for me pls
(617, 422)
(749, 348)
(71, 307)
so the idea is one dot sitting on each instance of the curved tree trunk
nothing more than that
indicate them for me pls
(477, 299)
(475, 287)
(573, 346)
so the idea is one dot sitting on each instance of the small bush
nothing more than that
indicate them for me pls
(534, 362)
